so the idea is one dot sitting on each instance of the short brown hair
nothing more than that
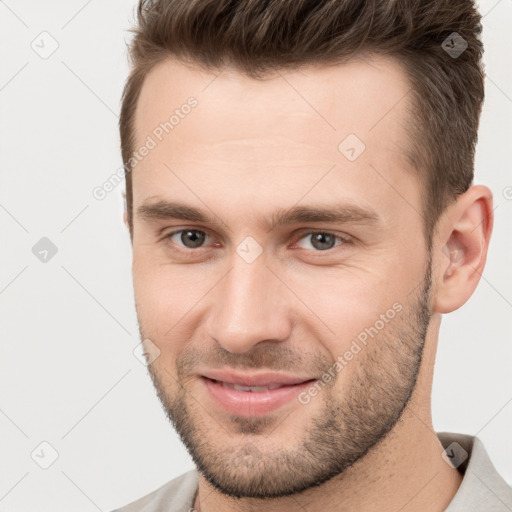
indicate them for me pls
(260, 36)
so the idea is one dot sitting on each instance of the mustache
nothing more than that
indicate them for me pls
(266, 357)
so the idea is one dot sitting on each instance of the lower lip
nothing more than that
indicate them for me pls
(252, 403)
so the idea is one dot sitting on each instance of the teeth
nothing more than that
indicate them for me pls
(250, 388)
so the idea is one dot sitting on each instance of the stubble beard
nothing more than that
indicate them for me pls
(341, 432)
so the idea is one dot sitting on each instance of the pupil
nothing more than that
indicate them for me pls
(320, 238)
(192, 238)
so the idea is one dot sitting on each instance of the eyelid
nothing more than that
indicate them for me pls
(345, 239)
(310, 231)
(168, 236)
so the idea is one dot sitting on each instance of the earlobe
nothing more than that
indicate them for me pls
(464, 235)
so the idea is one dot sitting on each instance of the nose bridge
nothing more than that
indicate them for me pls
(247, 307)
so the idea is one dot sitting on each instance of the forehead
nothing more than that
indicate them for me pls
(322, 102)
(282, 133)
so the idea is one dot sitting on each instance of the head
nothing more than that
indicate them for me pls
(299, 199)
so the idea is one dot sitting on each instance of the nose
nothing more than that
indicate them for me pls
(250, 306)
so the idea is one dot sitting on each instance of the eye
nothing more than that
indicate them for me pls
(190, 238)
(319, 240)
(323, 240)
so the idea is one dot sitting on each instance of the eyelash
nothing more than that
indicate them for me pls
(344, 239)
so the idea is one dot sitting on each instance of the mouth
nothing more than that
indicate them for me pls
(254, 389)
(255, 400)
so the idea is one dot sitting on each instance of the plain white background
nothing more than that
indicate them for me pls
(68, 373)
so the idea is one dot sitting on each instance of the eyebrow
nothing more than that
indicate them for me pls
(337, 213)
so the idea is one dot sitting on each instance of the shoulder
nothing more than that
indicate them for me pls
(482, 487)
(177, 495)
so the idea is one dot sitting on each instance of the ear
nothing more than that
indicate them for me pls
(462, 240)
(125, 213)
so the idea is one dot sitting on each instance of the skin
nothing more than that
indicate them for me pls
(249, 148)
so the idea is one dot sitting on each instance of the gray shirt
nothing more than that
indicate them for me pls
(482, 488)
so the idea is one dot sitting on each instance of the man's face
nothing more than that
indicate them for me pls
(306, 298)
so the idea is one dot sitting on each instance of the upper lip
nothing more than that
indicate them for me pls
(255, 379)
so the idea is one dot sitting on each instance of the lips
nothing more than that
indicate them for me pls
(252, 394)
(249, 388)
(267, 380)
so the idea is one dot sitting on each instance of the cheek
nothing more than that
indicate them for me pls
(350, 304)
(166, 295)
